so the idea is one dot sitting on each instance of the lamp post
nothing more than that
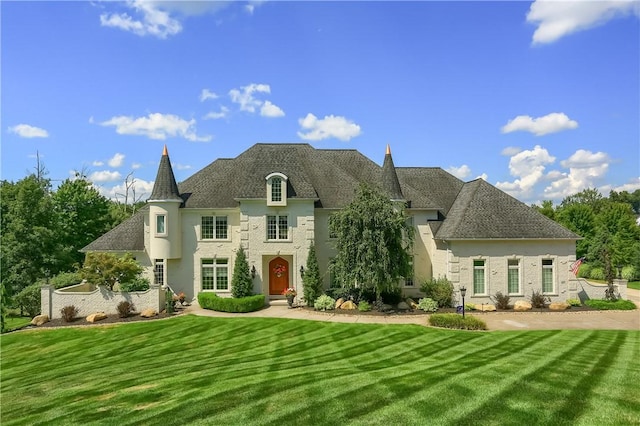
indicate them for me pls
(463, 292)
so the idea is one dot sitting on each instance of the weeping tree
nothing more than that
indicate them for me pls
(241, 284)
(373, 242)
(312, 281)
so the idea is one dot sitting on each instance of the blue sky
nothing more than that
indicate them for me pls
(541, 99)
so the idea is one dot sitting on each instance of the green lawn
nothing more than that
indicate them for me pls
(16, 321)
(634, 284)
(244, 371)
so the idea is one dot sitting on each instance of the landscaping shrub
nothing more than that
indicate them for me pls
(138, 284)
(574, 302)
(324, 302)
(597, 274)
(428, 305)
(125, 308)
(456, 321)
(65, 279)
(629, 273)
(312, 280)
(29, 300)
(606, 305)
(241, 283)
(364, 306)
(440, 290)
(345, 293)
(470, 307)
(69, 313)
(392, 296)
(584, 271)
(231, 304)
(501, 300)
(538, 300)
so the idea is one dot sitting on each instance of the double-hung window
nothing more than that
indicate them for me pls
(513, 276)
(479, 277)
(277, 227)
(158, 272)
(215, 274)
(213, 227)
(547, 276)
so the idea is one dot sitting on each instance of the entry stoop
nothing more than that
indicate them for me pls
(278, 302)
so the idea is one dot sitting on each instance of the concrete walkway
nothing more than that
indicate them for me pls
(584, 320)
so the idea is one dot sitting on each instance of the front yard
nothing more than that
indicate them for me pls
(199, 370)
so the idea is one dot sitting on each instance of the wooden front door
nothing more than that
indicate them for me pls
(278, 275)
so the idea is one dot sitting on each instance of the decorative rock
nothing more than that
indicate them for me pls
(339, 303)
(40, 319)
(97, 316)
(403, 306)
(521, 306)
(411, 303)
(486, 308)
(148, 313)
(558, 306)
(349, 305)
(386, 308)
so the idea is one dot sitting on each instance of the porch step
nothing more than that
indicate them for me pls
(278, 302)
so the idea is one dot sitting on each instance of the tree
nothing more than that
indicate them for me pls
(546, 209)
(241, 284)
(81, 215)
(108, 269)
(589, 196)
(581, 219)
(312, 281)
(373, 242)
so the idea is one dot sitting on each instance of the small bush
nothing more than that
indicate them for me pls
(456, 321)
(364, 306)
(597, 274)
(324, 302)
(574, 302)
(538, 300)
(65, 279)
(428, 305)
(470, 306)
(231, 304)
(606, 305)
(440, 290)
(392, 296)
(69, 313)
(138, 284)
(629, 273)
(29, 300)
(501, 300)
(125, 308)
(584, 271)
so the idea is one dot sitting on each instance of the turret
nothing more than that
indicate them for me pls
(165, 239)
(390, 183)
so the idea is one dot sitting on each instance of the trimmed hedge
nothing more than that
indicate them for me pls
(456, 321)
(231, 304)
(606, 305)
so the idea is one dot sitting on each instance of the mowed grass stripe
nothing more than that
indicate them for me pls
(273, 371)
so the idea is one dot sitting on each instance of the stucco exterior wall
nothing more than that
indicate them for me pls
(325, 246)
(168, 245)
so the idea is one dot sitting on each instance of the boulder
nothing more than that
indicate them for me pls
(522, 305)
(386, 308)
(40, 319)
(486, 308)
(558, 306)
(148, 313)
(411, 303)
(349, 305)
(403, 306)
(339, 303)
(96, 316)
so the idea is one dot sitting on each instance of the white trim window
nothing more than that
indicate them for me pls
(513, 276)
(214, 228)
(215, 274)
(409, 281)
(548, 284)
(161, 225)
(158, 272)
(277, 227)
(479, 277)
(276, 189)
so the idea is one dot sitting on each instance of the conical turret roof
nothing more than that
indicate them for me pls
(165, 187)
(390, 182)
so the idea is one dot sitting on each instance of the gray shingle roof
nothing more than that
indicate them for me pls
(390, 183)
(127, 236)
(482, 211)
(165, 187)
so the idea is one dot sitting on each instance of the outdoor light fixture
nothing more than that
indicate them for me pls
(253, 271)
(463, 292)
(301, 271)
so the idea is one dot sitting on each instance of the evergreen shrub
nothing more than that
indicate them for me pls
(364, 306)
(137, 284)
(597, 274)
(29, 299)
(230, 304)
(584, 271)
(440, 290)
(606, 305)
(66, 279)
(456, 321)
(629, 273)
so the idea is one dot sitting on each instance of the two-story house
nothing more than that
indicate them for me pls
(276, 199)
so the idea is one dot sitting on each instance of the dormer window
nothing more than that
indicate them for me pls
(276, 189)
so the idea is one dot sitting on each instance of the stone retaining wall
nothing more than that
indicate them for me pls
(100, 300)
(584, 290)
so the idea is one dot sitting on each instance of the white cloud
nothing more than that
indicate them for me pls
(528, 167)
(270, 110)
(251, 7)
(156, 126)
(329, 127)
(556, 19)
(461, 172)
(136, 166)
(550, 123)
(116, 160)
(182, 166)
(207, 94)
(98, 163)
(224, 112)
(105, 176)
(244, 97)
(154, 21)
(483, 176)
(27, 131)
(511, 151)
(631, 186)
(141, 187)
(586, 169)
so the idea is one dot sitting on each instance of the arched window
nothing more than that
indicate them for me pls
(276, 189)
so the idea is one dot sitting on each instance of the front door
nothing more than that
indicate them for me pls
(278, 276)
